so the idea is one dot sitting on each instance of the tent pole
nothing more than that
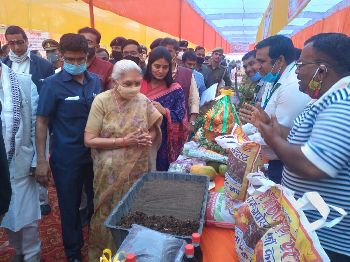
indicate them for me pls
(180, 21)
(92, 18)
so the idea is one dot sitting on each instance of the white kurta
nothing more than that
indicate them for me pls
(24, 206)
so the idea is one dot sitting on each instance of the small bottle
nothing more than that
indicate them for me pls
(196, 242)
(130, 258)
(189, 253)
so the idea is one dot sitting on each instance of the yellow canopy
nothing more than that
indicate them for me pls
(67, 16)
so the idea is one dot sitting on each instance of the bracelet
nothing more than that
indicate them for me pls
(124, 144)
(114, 140)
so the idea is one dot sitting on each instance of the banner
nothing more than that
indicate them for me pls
(238, 48)
(267, 21)
(35, 38)
(295, 7)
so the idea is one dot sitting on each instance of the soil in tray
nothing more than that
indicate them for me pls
(165, 224)
(168, 206)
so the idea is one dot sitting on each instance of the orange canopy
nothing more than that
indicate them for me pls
(337, 22)
(176, 18)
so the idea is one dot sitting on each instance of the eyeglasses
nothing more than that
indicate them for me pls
(15, 42)
(70, 60)
(132, 53)
(300, 64)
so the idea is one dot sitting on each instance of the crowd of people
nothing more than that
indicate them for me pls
(96, 122)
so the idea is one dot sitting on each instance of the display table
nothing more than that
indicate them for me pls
(218, 244)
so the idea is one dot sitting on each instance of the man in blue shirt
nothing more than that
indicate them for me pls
(189, 60)
(65, 102)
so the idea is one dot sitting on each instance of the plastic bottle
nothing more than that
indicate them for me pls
(196, 240)
(189, 253)
(130, 258)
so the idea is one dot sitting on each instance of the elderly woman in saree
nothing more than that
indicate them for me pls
(169, 98)
(123, 130)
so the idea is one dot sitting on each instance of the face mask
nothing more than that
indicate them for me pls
(314, 87)
(179, 55)
(270, 77)
(256, 77)
(74, 69)
(117, 55)
(136, 59)
(200, 60)
(18, 59)
(91, 51)
(52, 58)
(128, 93)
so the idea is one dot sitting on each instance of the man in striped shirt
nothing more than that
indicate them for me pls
(316, 152)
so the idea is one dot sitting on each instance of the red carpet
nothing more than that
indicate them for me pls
(50, 233)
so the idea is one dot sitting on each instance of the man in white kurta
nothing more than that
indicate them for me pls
(19, 98)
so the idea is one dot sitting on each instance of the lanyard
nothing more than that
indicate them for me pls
(269, 94)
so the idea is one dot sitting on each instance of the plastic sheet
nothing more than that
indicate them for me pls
(152, 246)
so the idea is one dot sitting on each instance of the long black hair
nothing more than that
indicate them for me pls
(156, 54)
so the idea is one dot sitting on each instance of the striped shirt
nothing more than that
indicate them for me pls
(323, 131)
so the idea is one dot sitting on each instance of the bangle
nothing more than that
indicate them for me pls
(114, 140)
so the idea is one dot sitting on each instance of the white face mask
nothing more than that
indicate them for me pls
(128, 93)
(179, 55)
(18, 59)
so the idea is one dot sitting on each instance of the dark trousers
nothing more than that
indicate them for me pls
(274, 172)
(337, 257)
(69, 183)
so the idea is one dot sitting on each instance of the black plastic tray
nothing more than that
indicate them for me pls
(124, 206)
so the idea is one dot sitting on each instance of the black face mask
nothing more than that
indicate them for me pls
(136, 59)
(200, 60)
(91, 51)
(117, 55)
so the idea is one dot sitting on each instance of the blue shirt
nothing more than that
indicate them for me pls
(323, 132)
(67, 103)
(200, 82)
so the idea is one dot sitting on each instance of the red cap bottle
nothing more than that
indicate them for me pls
(130, 258)
(196, 240)
(189, 251)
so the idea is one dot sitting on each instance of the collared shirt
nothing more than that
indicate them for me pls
(103, 69)
(200, 82)
(322, 131)
(67, 103)
(193, 97)
(287, 102)
(215, 75)
(22, 67)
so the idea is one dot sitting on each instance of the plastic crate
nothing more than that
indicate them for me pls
(123, 207)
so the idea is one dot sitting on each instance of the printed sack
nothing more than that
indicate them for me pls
(271, 224)
(216, 213)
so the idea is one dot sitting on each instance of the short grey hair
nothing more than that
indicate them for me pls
(122, 67)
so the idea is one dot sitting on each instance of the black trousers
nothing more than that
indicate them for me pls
(274, 172)
(69, 182)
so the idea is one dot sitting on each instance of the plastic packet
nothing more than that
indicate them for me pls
(152, 246)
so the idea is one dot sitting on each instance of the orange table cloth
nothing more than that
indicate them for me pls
(218, 244)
